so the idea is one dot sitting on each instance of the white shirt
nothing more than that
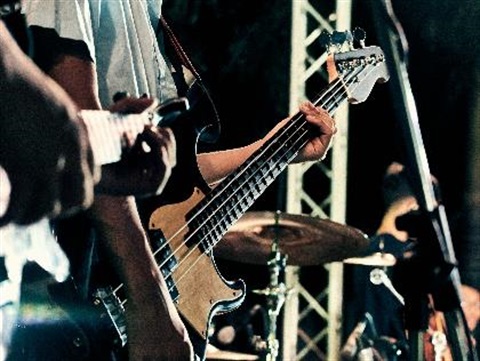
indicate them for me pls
(120, 36)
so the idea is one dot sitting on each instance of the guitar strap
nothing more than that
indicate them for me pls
(189, 82)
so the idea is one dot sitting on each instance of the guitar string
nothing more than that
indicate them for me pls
(294, 145)
(199, 243)
(282, 131)
(101, 125)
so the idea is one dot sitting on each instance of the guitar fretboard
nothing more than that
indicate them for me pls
(108, 131)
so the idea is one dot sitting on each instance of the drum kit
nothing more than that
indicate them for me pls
(277, 239)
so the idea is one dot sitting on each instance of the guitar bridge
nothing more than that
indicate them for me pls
(114, 311)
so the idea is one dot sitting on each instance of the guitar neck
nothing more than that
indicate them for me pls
(235, 195)
(107, 132)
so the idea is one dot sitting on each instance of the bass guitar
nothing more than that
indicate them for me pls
(184, 233)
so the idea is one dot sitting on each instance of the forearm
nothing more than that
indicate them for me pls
(6, 46)
(10, 54)
(123, 237)
(215, 166)
(150, 310)
(43, 147)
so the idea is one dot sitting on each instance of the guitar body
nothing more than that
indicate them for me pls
(201, 292)
(65, 327)
(194, 281)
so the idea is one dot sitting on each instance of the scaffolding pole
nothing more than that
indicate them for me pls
(309, 19)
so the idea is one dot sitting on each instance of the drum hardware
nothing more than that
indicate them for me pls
(378, 259)
(364, 344)
(306, 240)
(214, 353)
(358, 345)
(390, 349)
(276, 294)
(379, 276)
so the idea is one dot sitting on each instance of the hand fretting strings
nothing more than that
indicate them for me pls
(329, 99)
(107, 131)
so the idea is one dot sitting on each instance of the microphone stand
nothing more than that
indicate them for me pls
(446, 285)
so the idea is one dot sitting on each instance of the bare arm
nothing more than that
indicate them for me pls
(217, 165)
(154, 327)
(43, 146)
(155, 330)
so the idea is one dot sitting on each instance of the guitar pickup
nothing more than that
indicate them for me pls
(165, 260)
(162, 252)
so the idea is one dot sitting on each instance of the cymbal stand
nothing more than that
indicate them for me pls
(378, 276)
(276, 293)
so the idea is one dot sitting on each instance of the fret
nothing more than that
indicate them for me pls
(233, 197)
(108, 137)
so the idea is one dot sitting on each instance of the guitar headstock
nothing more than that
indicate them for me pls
(358, 69)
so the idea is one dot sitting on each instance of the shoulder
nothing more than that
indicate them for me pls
(69, 19)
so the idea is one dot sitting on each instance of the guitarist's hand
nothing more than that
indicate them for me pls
(43, 146)
(141, 172)
(214, 166)
(315, 149)
(318, 147)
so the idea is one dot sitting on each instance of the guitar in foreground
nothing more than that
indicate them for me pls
(36, 242)
(107, 133)
(184, 233)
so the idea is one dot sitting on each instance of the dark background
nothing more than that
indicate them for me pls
(242, 50)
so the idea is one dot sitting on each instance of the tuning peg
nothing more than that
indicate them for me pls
(339, 37)
(348, 36)
(359, 35)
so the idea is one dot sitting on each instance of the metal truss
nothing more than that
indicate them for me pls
(312, 312)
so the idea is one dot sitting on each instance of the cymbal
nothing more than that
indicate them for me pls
(304, 239)
(378, 259)
(214, 353)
